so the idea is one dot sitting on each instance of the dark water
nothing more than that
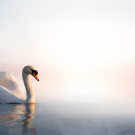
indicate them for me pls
(66, 119)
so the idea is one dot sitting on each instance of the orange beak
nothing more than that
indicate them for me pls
(35, 77)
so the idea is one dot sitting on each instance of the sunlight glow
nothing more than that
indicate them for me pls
(83, 93)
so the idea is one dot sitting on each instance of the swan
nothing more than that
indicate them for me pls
(11, 92)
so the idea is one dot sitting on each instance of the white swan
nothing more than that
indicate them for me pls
(11, 92)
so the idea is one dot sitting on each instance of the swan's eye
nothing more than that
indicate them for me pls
(34, 71)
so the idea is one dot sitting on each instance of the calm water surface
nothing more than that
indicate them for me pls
(66, 119)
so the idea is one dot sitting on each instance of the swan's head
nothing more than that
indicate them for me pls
(31, 70)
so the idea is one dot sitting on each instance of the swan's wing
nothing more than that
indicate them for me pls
(8, 82)
(7, 97)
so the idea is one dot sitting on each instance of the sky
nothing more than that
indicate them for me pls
(82, 49)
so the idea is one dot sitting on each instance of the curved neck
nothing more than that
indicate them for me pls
(29, 90)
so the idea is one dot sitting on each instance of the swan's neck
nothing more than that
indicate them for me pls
(29, 90)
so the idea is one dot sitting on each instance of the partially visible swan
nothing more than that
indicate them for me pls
(11, 92)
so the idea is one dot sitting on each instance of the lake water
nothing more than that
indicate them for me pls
(67, 119)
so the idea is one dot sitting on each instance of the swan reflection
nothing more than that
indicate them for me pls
(10, 114)
(14, 118)
(30, 109)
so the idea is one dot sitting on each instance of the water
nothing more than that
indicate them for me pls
(66, 119)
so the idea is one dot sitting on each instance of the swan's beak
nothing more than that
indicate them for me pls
(35, 76)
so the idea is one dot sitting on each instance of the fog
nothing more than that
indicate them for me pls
(83, 50)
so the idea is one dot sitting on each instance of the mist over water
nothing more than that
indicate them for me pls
(67, 119)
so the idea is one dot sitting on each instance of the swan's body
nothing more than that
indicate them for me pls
(11, 92)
